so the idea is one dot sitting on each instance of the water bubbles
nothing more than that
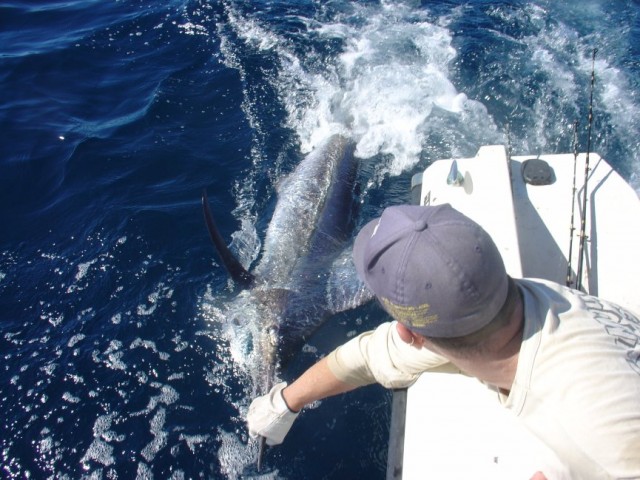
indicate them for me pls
(75, 339)
(144, 472)
(235, 456)
(68, 397)
(160, 436)
(190, 28)
(309, 349)
(101, 451)
(162, 292)
(83, 268)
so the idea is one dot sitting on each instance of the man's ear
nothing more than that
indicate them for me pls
(405, 334)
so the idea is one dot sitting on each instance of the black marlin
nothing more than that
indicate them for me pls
(305, 273)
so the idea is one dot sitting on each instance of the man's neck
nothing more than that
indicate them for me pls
(497, 367)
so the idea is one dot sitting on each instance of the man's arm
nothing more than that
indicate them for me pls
(316, 383)
(380, 355)
(271, 415)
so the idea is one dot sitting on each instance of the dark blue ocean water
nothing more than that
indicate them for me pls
(114, 115)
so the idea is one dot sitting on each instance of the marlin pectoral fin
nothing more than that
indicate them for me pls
(344, 289)
(230, 262)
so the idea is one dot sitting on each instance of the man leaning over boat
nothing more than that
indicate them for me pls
(565, 363)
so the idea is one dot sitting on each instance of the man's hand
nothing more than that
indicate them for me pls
(270, 417)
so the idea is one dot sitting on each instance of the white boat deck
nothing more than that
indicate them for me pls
(455, 427)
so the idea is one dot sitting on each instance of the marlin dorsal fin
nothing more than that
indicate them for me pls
(230, 262)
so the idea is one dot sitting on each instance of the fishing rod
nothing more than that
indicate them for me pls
(586, 177)
(509, 154)
(573, 202)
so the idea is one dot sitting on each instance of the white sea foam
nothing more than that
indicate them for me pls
(153, 299)
(193, 29)
(45, 445)
(68, 397)
(234, 455)
(245, 242)
(309, 348)
(193, 441)
(114, 356)
(167, 396)
(49, 368)
(54, 319)
(142, 377)
(149, 345)
(624, 111)
(77, 379)
(160, 436)
(75, 339)
(144, 472)
(100, 451)
(180, 344)
(382, 89)
(83, 268)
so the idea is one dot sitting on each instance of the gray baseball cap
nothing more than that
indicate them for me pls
(433, 269)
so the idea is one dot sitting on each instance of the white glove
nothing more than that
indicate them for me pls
(270, 417)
